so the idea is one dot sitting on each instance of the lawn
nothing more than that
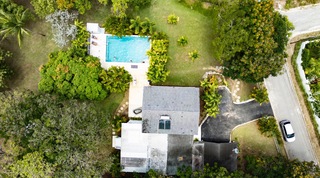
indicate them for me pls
(196, 27)
(252, 142)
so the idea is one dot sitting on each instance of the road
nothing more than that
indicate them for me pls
(305, 19)
(283, 98)
(285, 105)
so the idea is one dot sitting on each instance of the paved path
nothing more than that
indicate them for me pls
(305, 19)
(218, 129)
(285, 105)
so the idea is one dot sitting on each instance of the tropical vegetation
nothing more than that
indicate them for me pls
(115, 79)
(158, 58)
(311, 66)
(210, 96)
(13, 19)
(193, 55)
(182, 41)
(268, 127)
(5, 71)
(260, 94)
(248, 39)
(173, 19)
(48, 137)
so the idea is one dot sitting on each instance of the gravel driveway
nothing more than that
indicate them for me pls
(218, 129)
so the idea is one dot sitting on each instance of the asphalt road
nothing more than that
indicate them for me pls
(285, 105)
(305, 19)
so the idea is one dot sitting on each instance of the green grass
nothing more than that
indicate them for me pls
(193, 25)
(252, 141)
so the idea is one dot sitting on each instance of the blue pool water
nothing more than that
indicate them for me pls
(127, 49)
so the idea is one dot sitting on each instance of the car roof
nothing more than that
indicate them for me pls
(288, 127)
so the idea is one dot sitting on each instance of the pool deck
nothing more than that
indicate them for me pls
(138, 71)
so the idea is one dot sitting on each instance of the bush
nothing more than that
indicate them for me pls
(260, 94)
(116, 79)
(5, 72)
(173, 19)
(158, 56)
(269, 128)
(210, 96)
(182, 41)
(193, 55)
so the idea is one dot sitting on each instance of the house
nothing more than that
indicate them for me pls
(163, 140)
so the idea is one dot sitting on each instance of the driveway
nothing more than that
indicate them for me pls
(219, 129)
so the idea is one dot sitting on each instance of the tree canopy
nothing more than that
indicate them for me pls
(250, 39)
(4, 69)
(48, 137)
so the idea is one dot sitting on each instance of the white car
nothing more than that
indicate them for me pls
(287, 131)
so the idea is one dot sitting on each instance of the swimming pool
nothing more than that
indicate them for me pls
(127, 49)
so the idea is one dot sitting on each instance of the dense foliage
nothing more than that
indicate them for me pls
(250, 38)
(4, 69)
(279, 166)
(116, 79)
(48, 137)
(12, 20)
(158, 58)
(260, 94)
(269, 128)
(44, 7)
(125, 26)
(311, 66)
(210, 96)
(73, 73)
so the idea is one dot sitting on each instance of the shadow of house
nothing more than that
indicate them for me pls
(218, 129)
(224, 154)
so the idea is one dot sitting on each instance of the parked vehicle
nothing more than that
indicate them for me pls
(287, 131)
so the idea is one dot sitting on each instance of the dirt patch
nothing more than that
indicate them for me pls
(307, 118)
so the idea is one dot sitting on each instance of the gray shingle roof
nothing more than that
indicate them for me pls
(181, 104)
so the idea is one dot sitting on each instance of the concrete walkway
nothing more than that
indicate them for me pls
(231, 115)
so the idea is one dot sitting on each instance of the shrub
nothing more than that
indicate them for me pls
(210, 96)
(260, 94)
(173, 19)
(182, 41)
(269, 128)
(5, 72)
(116, 79)
(158, 56)
(193, 55)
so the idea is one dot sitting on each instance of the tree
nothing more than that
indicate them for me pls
(80, 5)
(32, 166)
(44, 7)
(135, 24)
(260, 94)
(5, 72)
(116, 79)
(13, 24)
(210, 96)
(119, 8)
(246, 40)
(63, 28)
(56, 138)
(279, 166)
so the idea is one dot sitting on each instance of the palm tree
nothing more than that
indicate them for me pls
(13, 24)
(135, 24)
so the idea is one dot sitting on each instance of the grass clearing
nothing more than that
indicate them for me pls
(251, 141)
(193, 25)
